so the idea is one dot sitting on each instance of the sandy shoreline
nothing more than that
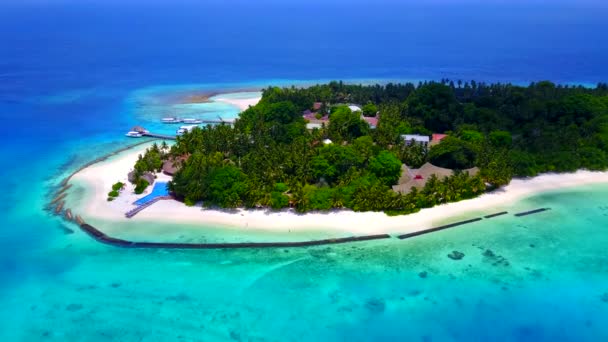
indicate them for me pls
(240, 99)
(97, 179)
(240, 103)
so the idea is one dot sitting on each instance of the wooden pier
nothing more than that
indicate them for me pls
(160, 136)
(136, 210)
(219, 121)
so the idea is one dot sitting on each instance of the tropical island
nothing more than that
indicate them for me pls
(369, 148)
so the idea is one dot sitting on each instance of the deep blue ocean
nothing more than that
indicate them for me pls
(70, 76)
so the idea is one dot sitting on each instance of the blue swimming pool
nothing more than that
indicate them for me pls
(159, 189)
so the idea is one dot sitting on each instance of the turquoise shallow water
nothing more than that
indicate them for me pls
(546, 277)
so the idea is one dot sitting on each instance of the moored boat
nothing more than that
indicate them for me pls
(170, 120)
(133, 134)
(185, 129)
(192, 121)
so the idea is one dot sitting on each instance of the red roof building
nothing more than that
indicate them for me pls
(371, 121)
(436, 138)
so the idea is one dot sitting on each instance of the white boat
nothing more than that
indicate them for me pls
(133, 134)
(192, 121)
(170, 120)
(185, 129)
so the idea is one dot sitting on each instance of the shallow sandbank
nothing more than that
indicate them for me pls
(249, 99)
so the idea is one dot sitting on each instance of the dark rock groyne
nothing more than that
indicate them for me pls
(535, 211)
(430, 230)
(102, 237)
(495, 215)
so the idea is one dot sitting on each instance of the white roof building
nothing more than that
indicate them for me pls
(421, 139)
(313, 125)
(354, 108)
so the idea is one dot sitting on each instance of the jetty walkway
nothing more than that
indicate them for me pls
(160, 136)
(219, 121)
(138, 209)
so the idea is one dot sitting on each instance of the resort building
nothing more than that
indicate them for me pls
(170, 167)
(313, 125)
(311, 119)
(436, 138)
(139, 129)
(415, 138)
(309, 115)
(148, 176)
(313, 122)
(371, 121)
(354, 108)
(417, 178)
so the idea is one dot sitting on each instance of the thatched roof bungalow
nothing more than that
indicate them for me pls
(139, 129)
(417, 178)
(171, 166)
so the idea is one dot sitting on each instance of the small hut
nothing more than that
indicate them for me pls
(148, 176)
(171, 166)
(139, 129)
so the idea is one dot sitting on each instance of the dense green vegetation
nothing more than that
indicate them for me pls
(141, 185)
(152, 160)
(116, 187)
(269, 159)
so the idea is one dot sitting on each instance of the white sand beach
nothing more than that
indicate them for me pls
(241, 103)
(97, 180)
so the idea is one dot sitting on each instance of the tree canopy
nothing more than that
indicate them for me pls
(269, 158)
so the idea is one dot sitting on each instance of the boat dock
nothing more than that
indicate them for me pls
(139, 131)
(136, 210)
(159, 136)
(219, 120)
